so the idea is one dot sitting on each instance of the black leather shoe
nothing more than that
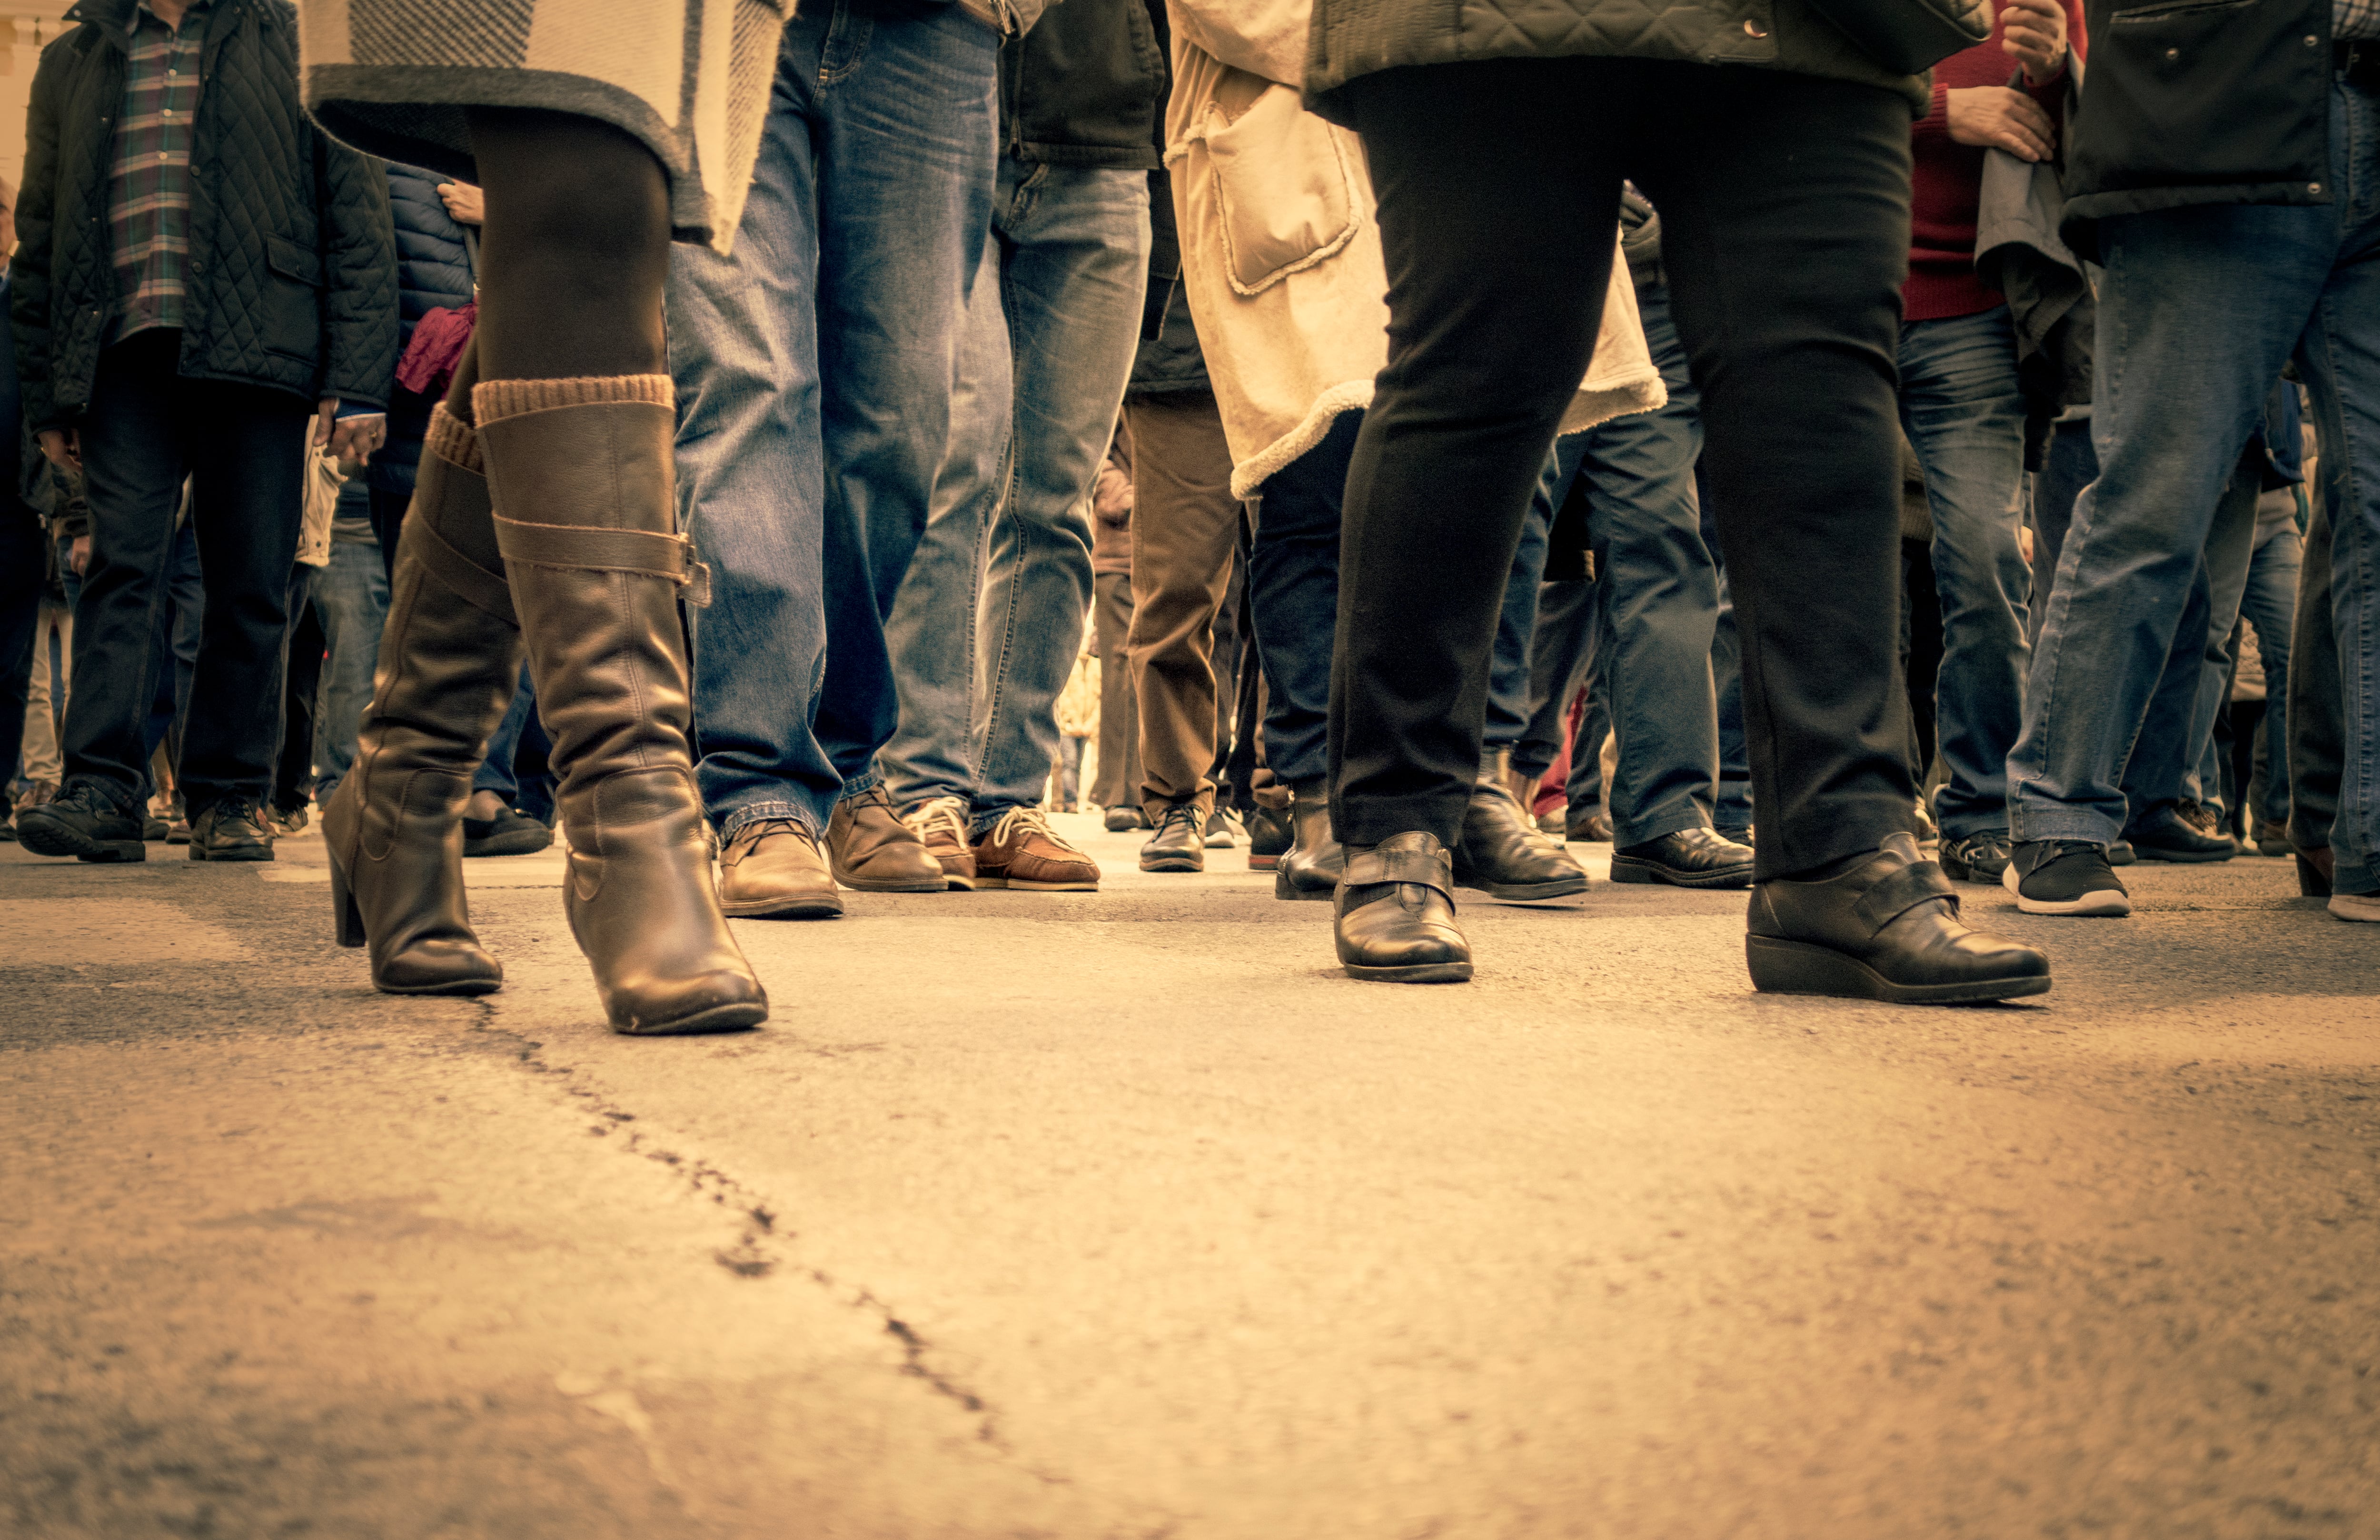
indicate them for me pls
(1394, 916)
(1501, 853)
(1269, 837)
(1593, 829)
(1180, 843)
(1315, 858)
(2163, 835)
(1689, 858)
(1886, 930)
(508, 834)
(84, 824)
(1979, 858)
(233, 830)
(1119, 820)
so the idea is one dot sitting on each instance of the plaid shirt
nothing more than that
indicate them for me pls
(148, 178)
(2352, 19)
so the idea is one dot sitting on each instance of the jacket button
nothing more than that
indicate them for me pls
(2314, 187)
(2312, 42)
(2171, 54)
(1753, 28)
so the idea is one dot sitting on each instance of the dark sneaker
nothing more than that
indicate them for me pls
(2064, 877)
(1023, 853)
(233, 830)
(84, 824)
(1223, 829)
(1689, 858)
(2121, 854)
(510, 832)
(2169, 834)
(2199, 816)
(1975, 857)
(1180, 843)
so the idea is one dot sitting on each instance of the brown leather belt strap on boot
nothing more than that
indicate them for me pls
(441, 530)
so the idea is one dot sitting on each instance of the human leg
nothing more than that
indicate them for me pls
(351, 596)
(2270, 604)
(292, 769)
(1118, 783)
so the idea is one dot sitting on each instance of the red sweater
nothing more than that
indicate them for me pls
(1949, 178)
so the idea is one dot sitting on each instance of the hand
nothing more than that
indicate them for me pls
(326, 417)
(63, 446)
(2033, 33)
(79, 554)
(1112, 495)
(2025, 542)
(468, 205)
(1999, 118)
(355, 438)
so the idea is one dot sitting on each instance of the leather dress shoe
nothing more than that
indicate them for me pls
(510, 832)
(1502, 853)
(773, 869)
(1180, 843)
(872, 849)
(1590, 828)
(1122, 819)
(1689, 858)
(82, 822)
(1269, 837)
(233, 830)
(2164, 834)
(1887, 929)
(1316, 859)
(1393, 915)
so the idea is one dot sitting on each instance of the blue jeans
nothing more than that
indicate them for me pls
(1516, 620)
(1661, 596)
(495, 773)
(814, 368)
(982, 644)
(2270, 603)
(2177, 398)
(1294, 592)
(2178, 732)
(351, 601)
(1964, 412)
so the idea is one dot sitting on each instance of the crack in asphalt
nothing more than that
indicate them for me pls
(759, 1248)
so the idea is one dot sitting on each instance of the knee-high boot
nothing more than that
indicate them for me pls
(449, 659)
(581, 471)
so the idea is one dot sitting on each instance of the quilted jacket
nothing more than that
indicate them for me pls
(433, 271)
(291, 278)
(1360, 37)
(1082, 87)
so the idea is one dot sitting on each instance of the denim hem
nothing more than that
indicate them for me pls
(859, 785)
(1655, 828)
(1958, 829)
(2060, 823)
(757, 812)
(987, 815)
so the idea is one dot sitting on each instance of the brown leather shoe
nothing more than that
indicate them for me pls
(942, 827)
(873, 851)
(773, 867)
(1024, 853)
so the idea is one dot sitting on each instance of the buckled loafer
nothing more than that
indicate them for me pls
(1502, 853)
(1689, 858)
(1315, 860)
(1393, 915)
(1886, 930)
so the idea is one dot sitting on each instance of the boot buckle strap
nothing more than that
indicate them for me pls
(485, 591)
(1902, 892)
(1426, 868)
(589, 548)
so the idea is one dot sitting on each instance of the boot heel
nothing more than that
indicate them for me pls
(2311, 882)
(346, 918)
(1782, 968)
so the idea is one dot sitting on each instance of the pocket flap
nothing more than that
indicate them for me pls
(1284, 187)
(293, 260)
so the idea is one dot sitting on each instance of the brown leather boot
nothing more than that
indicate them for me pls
(773, 867)
(587, 518)
(449, 660)
(876, 853)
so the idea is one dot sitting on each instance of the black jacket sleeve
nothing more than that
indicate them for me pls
(29, 270)
(359, 274)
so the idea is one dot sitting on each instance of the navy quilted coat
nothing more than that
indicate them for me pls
(292, 279)
(433, 272)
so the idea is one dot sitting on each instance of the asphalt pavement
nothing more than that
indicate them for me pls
(1126, 1215)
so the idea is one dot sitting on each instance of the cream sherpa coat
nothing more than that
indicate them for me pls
(1280, 253)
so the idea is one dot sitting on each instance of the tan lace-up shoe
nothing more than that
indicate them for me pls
(875, 852)
(773, 867)
(942, 827)
(1022, 852)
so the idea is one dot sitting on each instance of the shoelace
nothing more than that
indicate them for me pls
(944, 814)
(1017, 822)
(1181, 812)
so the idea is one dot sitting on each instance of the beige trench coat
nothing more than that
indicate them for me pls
(1281, 255)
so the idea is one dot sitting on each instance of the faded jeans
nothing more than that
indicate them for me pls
(983, 641)
(351, 602)
(2177, 399)
(813, 369)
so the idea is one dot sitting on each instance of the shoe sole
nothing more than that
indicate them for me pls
(1029, 885)
(1786, 967)
(1285, 889)
(1526, 893)
(200, 852)
(46, 838)
(2369, 903)
(2109, 904)
(1171, 863)
(1631, 868)
(1419, 973)
(719, 1018)
(1264, 863)
(775, 909)
(2179, 857)
(939, 885)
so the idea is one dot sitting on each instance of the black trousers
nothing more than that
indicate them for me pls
(1784, 205)
(242, 448)
(24, 572)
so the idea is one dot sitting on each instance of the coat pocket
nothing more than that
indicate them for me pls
(1284, 187)
(291, 319)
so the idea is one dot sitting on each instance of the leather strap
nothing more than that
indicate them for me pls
(571, 546)
(1904, 891)
(488, 592)
(1426, 868)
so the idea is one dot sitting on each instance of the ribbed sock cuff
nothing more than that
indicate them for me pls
(454, 441)
(493, 399)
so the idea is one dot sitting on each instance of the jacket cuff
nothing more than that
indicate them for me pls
(1936, 123)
